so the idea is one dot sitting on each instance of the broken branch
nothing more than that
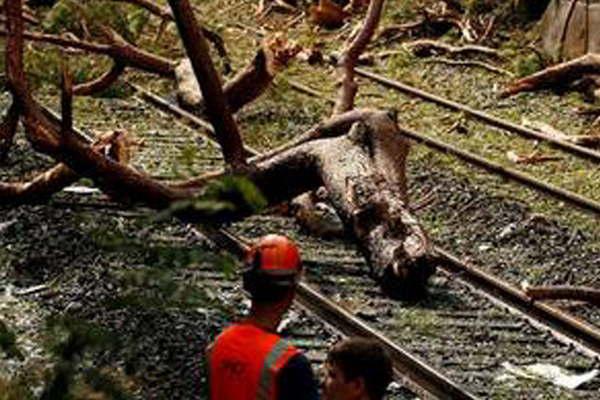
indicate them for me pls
(557, 75)
(119, 49)
(426, 47)
(348, 88)
(217, 108)
(101, 83)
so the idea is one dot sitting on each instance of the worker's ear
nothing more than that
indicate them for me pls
(357, 387)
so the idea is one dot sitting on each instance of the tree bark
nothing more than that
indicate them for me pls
(556, 76)
(243, 88)
(217, 108)
(348, 88)
(363, 172)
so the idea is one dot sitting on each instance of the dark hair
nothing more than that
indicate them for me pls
(363, 358)
(264, 289)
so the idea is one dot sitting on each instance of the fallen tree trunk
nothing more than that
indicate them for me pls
(363, 172)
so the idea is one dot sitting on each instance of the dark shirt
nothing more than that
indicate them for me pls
(296, 380)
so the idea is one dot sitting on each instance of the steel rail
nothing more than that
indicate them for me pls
(582, 202)
(487, 118)
(417, 375)
(192, 119)
(564, 327)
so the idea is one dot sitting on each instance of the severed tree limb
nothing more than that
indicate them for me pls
(247, 85)
(101, 83)
(119, 49)
(564, 292)
(557, 75)
(167, 16)
(348, 88)
(336, 125)
(8, 129)
(363, 172)
(217, 109)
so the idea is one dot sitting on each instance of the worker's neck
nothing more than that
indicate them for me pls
(266, 317)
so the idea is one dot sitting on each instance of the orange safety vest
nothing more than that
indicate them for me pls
(244, 363)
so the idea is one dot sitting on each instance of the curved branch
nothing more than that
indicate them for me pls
(119, 49)
(166, 14)
(348, 89)
(40, 188)
(101, 83)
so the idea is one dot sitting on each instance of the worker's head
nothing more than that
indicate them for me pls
(356, 369)
(273, 269)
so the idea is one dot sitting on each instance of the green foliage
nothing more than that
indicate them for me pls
(88, 17)
(70, 340)
(527, 65)
(61, 18)
(8, 342)
(222, 200)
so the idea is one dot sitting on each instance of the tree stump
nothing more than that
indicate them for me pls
(571, 28)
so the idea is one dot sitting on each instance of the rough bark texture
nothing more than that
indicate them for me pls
(244, 87)
(217, 108)
(571, 28)
(363, 173)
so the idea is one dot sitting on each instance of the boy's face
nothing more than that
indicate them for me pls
(336, 387)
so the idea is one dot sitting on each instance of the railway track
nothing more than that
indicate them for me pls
(463, 337)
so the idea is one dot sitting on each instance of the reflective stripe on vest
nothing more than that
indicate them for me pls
(244, 363)
(269, 369)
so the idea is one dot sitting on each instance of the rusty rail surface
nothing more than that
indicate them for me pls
(561, 194)
(562, 325)
(418, 376)
(485, 117)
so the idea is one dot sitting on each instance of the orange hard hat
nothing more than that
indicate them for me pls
(274, 255)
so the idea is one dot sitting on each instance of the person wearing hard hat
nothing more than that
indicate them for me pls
(249, 360)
